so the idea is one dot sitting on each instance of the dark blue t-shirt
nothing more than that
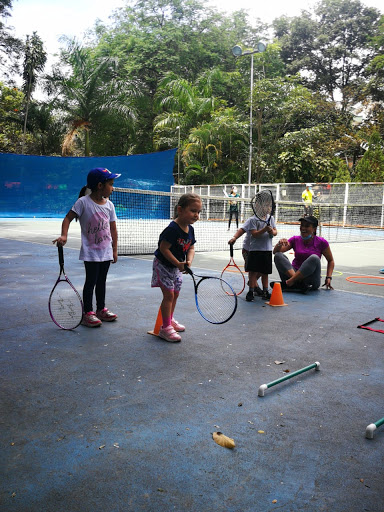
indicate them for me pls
(180, 242)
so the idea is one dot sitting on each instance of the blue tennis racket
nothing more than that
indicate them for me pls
(216, 301)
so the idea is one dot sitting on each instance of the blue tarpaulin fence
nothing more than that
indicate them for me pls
(47, 186)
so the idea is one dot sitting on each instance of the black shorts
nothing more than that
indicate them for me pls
(260, 261)
(245, 257)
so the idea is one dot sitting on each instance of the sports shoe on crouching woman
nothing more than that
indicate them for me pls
(105, 315)
(90, 319)
(169, 334)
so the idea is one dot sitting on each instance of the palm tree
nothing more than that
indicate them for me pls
(181, 103)
(91, 94)
(219, 146)
(34, 61)
(207, 125)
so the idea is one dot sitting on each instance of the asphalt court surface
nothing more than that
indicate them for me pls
(114, 419)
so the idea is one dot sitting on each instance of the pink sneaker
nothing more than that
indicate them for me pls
(169, 334)
(178, 327)
(105, 315)
(90, 319)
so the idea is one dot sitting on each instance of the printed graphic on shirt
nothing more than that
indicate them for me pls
(185, 244)
(98, 232)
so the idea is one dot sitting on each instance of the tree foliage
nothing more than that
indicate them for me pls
(330, 47)
(11, 123)
(35, 58)
(91, 96)
(10, 46)
(371, 166)
(163, 69)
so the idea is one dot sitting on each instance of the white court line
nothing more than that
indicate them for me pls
(358, 274)
(147, 259)
(200, 268)
(37, 233)
(359, 293)
(36, 243)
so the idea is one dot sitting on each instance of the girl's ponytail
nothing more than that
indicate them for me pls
(84, 191)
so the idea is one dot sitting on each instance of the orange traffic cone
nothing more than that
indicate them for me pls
(158, 324)
(276, 296)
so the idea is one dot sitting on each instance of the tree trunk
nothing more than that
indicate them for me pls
(87, 143)
(26, 115)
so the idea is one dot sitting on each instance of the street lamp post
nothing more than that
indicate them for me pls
(178, 155)
(238, 52)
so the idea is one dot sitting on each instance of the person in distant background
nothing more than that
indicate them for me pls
(306, 197)
(233, 207)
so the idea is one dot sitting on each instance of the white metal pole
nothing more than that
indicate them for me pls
(345, 204)
(250, 126)
(382, 211)
(178, 157)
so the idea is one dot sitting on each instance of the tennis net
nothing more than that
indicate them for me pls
(143, 214)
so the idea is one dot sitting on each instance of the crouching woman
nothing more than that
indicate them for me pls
(305, 270)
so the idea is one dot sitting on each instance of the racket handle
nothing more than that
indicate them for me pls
(231, 250)
(187, 269)
(61, 254)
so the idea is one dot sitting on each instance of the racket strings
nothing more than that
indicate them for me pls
(233, 276)
(263, 204)
(216, 300)
(65, 306)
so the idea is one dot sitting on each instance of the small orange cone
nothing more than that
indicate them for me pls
(158, 324)
(276, 296)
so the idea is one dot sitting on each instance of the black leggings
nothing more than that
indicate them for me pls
(95, 275)
(231, 214)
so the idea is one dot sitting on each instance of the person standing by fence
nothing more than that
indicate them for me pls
(306, 197)
(233, 207)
